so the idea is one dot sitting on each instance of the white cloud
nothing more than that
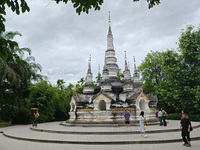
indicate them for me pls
(61, 40)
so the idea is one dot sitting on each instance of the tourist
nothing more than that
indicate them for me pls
(185, 127)
(164, 114)
(142, 119)
(160, 117)
(35, 118)
(183, 112)
(127, 118)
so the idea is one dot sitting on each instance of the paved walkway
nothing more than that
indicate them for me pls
(11, 144)
(55, 126)
(25, 132)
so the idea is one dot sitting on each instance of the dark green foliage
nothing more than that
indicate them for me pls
(62, 109)
(18, 94)
(81, 81)
(85, 6)
(69, 91)
(148, 87)
(16, 75)
(21, 6)
(15, 69)
(152, 3)
(174, 116)
(177, 116)
(194, 117)
(22, 116)
(175, 76)
(120, 74)
(79, 88)
(53, 101)
(16, 6)
(43, 95)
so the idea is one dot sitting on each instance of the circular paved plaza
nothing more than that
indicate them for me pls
(54, 135)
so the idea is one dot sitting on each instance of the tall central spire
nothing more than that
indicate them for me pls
(135, 75)
(126, 66)
(109, 20)
(109, 36)
(89, 64)
(99, 75)
(110, 68)
(135, 68)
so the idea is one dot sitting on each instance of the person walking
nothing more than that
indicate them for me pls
(142, 119)
(127, 118)
(35, 118)
(185, 127)
(160, 117)
(164, 114)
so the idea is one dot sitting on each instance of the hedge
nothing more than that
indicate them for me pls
(177, 116)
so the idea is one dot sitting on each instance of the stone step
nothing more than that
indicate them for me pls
(24, 133)
(107, 132)
(173, 126)
(103, 125)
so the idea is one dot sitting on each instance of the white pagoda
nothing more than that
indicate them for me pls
(107, 101)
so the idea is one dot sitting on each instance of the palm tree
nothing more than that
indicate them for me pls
(14, 69)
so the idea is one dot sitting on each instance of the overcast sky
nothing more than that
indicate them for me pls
(61, 40)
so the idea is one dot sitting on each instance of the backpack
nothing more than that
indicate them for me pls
(191, 128)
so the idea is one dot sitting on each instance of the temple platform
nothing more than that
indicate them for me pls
(55, 133)
(113, 116)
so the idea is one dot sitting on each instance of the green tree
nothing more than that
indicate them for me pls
(21, 6)
(81, 81)
(167, 88)
(120, 74)
(62, 106)
(189, 47)
(85, 6)
(151, 68)
(70, 91)
(53, 101)
(15, 68)
(43, 95)
(148, 87)
(175, 76)
(98, 76)
(12, 49)
(60, 84)
(79, 86)
(154, 77)
(16, 74)
(183, 73)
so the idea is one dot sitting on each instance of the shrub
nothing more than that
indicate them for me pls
(22, 116)
(177, 116)
(174, 116)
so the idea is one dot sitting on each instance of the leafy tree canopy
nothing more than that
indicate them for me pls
(120, 74)
(15, 70)
(175, 76)
(21, 6)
